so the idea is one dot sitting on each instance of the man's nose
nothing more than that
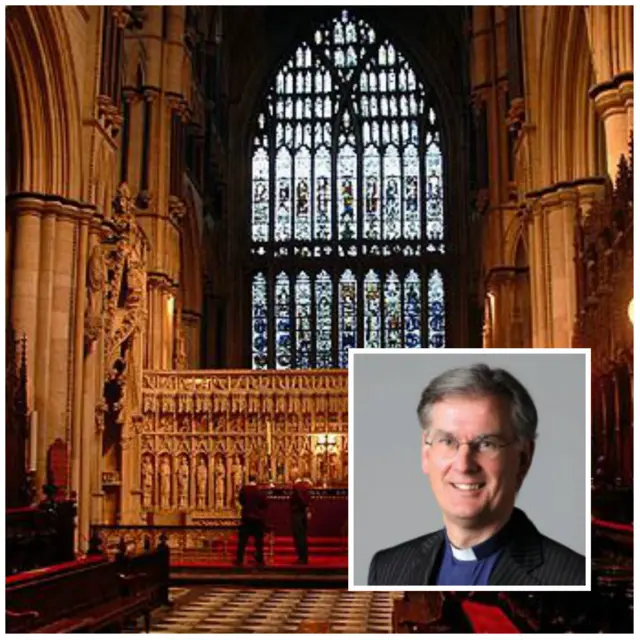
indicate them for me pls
(464, 459)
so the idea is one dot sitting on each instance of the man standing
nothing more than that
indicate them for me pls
(253, 520)
(479, 427)
(300, 514)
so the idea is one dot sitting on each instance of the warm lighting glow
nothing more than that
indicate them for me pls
(326, 443)
(170, 306)
(630, 311)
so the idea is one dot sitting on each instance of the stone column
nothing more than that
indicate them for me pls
(615, 108)
(610, 33)
(539, 278)
(78, 381)
(25, 284)
(559, 211)
(45, 306)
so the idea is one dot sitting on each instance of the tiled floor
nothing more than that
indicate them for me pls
(245, 610)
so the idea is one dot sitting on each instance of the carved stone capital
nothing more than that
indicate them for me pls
(516, 115)
(177, 209)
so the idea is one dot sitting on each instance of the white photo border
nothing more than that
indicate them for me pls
(480, 353)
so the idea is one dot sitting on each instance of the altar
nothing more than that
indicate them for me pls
(329, 512)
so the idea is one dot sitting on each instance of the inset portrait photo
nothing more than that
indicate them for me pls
(469, 469)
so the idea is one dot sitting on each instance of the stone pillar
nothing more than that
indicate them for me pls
(45, 307)
(559, 211)
(78, 379)
(615, 108)
(25, 284)
(539, 278)
(610, 33)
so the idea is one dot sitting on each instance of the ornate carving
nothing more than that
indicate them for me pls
(183, 483)
(165, 483)
(147, 482)
(202, 476)
(222, 417)
(95, 296)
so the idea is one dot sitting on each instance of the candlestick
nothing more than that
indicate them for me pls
(268, 437)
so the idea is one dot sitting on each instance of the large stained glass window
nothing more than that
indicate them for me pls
(347, 217)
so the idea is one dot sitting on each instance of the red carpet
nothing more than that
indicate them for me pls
(324, 553)
(487, 619)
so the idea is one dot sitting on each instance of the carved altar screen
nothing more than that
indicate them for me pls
(202, 433)
(347, 165)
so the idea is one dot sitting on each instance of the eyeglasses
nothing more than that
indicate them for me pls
(485, 447)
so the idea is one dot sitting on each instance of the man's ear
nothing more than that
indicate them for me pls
(424, 454)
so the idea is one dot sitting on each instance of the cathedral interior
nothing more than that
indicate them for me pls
(207, 207)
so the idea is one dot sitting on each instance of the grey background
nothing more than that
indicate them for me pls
(392, 498)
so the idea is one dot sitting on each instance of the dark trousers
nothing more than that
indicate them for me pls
(299, 529)
(249, 528)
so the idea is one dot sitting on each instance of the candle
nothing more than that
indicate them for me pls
(33, 440)
(268, 437)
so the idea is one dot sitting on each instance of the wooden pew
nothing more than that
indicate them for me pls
(101, 596)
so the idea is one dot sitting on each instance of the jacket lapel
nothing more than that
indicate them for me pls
(522, 555)
(420, 570)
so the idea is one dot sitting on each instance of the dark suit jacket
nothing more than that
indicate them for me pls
(300, 498)
(528, 559)
(254, 503)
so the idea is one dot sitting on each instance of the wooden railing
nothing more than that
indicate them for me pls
(211, 543)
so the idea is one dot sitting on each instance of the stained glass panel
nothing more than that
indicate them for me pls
(324, 358)
(435, 213)
(323, 194)
(412, 320)
(411, 228)
(283, 206)
(391, 207)
(346, 185)
(347, 316)
(372, 335)
(436, 318)
(302, 222)
(259, 322)
(260, 226)
(303, 321)
(372, 223)
(283, 322)
(345, 179)
(392, 312)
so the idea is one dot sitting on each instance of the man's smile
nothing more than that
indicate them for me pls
(467, 486)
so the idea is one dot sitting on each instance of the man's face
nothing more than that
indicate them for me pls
(474, 490)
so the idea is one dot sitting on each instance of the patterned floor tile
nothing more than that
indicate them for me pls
(204, 609)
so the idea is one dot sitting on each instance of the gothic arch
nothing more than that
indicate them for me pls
(566, 112)
(514, 237)
(447, 92)
(40, 57)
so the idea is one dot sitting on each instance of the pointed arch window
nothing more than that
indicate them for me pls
(347, 207)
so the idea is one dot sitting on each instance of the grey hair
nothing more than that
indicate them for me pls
(480, 380)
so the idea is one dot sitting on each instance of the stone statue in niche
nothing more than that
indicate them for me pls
(165, 483)
(237, 474)
(183, 484)
(220, 485)
(135, 284)
(122, 207)
(201, 485)
(95, 294)
(147, 483)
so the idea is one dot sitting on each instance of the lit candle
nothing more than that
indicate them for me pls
(33, 440)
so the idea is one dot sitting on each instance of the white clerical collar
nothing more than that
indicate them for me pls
(466, 555)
